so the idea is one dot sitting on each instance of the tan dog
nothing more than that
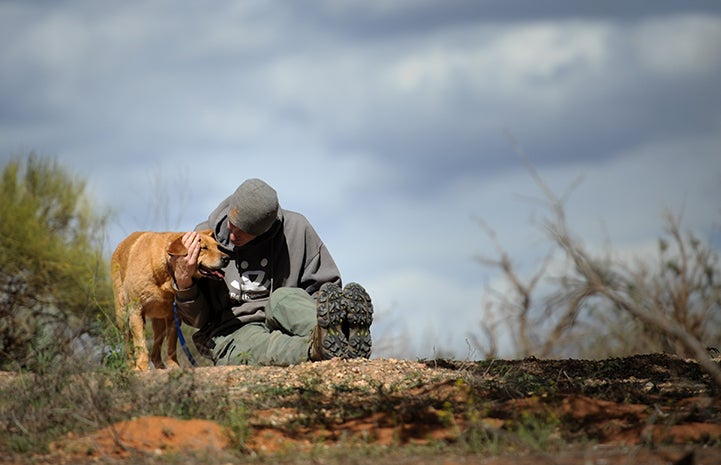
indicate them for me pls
(142, 283)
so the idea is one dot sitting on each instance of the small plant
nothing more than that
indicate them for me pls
(114, 352)
(480, 438)
(237, 429)
(537, 430)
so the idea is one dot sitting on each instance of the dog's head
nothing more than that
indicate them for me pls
(211, 260)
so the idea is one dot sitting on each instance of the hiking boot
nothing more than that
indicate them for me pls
(327, 340)
(359, 315)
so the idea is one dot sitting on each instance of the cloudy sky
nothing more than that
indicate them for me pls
(390, 124)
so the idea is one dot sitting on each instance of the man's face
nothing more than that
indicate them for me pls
(239, 237)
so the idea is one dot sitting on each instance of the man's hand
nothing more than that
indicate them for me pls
(185, 266)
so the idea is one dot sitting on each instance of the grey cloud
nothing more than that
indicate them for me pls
(380, 19)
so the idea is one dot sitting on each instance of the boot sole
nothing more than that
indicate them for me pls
(330, 319)
(359, 314)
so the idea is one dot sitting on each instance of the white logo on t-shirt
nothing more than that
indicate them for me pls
(254, 283)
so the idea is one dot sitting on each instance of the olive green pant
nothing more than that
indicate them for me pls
(283, 339)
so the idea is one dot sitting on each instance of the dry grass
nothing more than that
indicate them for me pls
(347, 411)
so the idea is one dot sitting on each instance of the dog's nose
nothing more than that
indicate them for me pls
(225, 260)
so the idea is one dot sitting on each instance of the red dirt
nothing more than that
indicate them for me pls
(149, 435)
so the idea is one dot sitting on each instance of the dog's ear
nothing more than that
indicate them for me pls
(176, 247)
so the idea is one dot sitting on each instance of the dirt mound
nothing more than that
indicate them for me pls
(147, 435)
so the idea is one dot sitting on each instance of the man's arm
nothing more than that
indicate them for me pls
(185, 266)
(191, 302)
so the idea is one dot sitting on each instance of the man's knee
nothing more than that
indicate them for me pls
(288, 292)
(288, 297)
(291, 310)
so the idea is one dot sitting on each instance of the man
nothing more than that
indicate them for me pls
(281, 301)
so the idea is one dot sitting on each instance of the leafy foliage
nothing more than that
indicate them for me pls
(53, 277)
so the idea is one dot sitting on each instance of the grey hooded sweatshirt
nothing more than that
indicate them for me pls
(289, 254)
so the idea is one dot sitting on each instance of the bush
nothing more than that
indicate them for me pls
(54, 282)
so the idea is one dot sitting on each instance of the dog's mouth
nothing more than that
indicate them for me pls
(211, 272)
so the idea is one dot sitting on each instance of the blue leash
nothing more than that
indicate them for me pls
(181, 337)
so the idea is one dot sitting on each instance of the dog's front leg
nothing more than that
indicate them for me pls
(159, 328)
(171, 335)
